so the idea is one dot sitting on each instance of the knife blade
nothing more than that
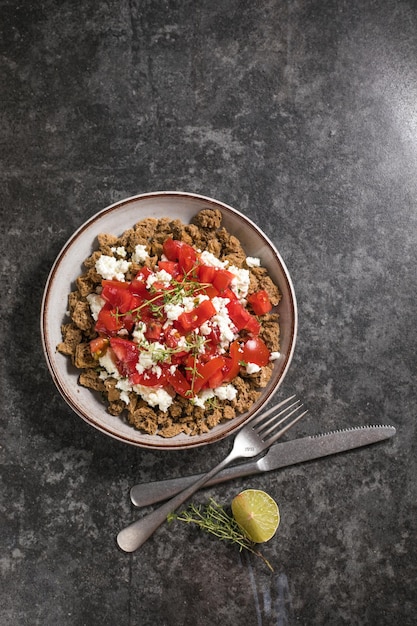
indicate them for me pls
(279, 455)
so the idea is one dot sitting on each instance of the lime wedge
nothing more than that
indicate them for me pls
(257, 514)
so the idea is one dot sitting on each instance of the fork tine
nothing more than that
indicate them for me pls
(263, 429)
(266, 414)
(283, 430)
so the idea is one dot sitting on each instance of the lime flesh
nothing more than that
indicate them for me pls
(257, 514)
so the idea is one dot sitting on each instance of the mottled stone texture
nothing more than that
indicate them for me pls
(302, 114)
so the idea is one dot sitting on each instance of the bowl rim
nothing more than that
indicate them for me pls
(166, 443)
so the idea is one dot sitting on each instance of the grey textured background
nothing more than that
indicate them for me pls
(303, 115)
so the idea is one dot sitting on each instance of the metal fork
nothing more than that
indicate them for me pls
(255, 437)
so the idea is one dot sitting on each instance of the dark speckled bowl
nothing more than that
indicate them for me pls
(115, 219)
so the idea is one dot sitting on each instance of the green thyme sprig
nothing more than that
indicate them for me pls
(173, 295)
(214, 520)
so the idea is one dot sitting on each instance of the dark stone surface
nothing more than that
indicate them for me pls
(303, 115)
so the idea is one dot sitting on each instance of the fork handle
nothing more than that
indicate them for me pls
(144, 494)
(133, 536)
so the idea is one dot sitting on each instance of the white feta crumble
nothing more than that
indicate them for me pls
(188, 304)
(111, 268)
(205, 329)
(120, 251)
(138, 334)
(209, 259)
(240, 282)
(252, 261)
(182, 343)
(274, 356)
(226, 392)
(252, 368)
(202, 398)
(140, 254)
(173, 311)
(145, 361)
(223, 321)
(96, 303)
(109, 365)
(150, 355)
(162, 276)
(124, 387)
(154, 397)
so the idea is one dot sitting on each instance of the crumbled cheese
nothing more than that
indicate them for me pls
(154, 397)
(138, 334)
(173, 311)
(223, 321)
(274, 356)
(124, 386)
(252, 368)
(225, 392)
(162, 276)
(120, 251)
(188, 303)
(109, 365)
(252, 261)
(150, 355)
(111, 268)
(145, 361)
(240, 282)
(202, 398)
(205, 329)
(209, 259)
(96, 303)
(140, 254)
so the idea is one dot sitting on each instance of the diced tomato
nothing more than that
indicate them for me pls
(206, 371)
(180, 251)
(232, 366)
(260, 302)
(153, 331)
(149, 378)
(190, 365)
(216, 380)
(187, 258)
(98, 346)
(172, 337)
(212, 344)
(178, 382)
(253, 326)
(228, 293)
(222, 279)
(171, 248)
(169, 266)
(209, 290)
(138, 286)
(195, 318)
(238, 314)
(255, 351)
(108, 321)
(241, 317)
(206, 273)
(126, 353)
(117, 294)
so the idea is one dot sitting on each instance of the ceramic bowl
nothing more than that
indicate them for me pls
(115, 219)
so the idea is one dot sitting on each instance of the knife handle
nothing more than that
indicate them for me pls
(149, 493)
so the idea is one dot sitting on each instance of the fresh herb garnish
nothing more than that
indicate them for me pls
(213, 519)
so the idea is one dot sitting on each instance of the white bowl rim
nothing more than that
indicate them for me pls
(166, 443)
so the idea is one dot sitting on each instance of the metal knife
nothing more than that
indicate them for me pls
(279, 455)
